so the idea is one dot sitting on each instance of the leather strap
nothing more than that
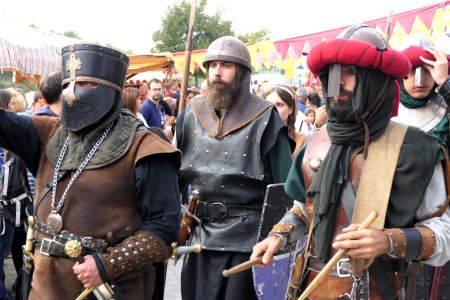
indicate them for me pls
(57, 248)
(220, 211)
(413, 243)
(411, 273)
(382, 281)
(98, 245)
(348, 199)
(47, 189)
(298, 272)
(436, 287)
(375, 184)
(341, 269)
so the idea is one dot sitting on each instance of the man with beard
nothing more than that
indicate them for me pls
(362, 162)
(234, 144)
(106, 205)
(151, 109)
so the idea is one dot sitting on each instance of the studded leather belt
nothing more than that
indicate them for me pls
(67, 244)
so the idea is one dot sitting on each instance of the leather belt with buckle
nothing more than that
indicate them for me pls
(67, 244)
(342, 269)
(53, 247)
(220, 211)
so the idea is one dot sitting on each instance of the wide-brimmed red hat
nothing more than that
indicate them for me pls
(359, 53)
(413, 53)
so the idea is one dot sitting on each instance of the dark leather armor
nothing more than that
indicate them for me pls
(229, 173)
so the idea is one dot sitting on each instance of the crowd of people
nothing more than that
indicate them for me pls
(106, 171)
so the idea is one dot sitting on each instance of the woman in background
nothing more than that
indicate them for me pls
(284, 99)
(132, 101)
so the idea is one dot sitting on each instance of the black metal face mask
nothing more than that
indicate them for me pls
(106, 68)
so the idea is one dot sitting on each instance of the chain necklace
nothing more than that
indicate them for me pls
(54, 220)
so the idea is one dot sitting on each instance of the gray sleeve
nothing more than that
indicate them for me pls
(435, 197)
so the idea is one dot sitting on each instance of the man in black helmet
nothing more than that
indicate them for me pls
(107, 203)
(234, 144)
(358, 163)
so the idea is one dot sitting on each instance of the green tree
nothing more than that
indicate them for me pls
(174, 28)
(127, 52)
(71, 34)
(254, 37)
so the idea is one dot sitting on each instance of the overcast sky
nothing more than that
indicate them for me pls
(130, 24)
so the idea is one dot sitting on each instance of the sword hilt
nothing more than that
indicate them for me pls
(180, 250)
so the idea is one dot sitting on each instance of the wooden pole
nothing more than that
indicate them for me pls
(333, 261)
(241, 267)
(388, 25)
(187, 58)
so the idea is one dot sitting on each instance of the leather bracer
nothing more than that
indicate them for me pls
(134, 253)
(412, 243)
(292, 226)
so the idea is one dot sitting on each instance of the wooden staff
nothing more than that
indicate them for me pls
(187, 58)
(241, 267)
(334, 260)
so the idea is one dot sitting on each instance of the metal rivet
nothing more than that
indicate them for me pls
(314, 163)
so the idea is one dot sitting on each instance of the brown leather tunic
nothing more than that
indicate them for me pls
(101, 201)
(333, 287)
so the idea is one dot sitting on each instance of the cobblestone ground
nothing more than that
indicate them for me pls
(172, 291)
(10, 273)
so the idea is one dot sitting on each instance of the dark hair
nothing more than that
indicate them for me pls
(37, 96)
(5, 97)
(129, 98)
(154, 80)
(51, 87)
(314, 99)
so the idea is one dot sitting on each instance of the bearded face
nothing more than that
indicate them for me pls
(222, 94)
(339, 107)
(156, 97)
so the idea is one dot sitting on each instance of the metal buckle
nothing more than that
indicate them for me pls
(45, 246)
(225, 211)
(343, 267)
(87, 242)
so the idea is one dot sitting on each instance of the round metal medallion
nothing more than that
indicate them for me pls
(54, 222)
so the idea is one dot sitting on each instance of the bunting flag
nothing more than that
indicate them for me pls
(431, 21)
(255, 57)
(417, 20)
